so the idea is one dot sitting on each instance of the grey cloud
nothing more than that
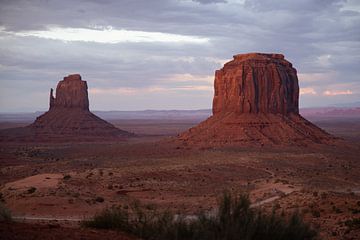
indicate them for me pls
(299, 6)
(209, 1)
(302, 30)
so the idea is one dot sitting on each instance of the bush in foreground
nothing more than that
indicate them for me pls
(5, 214)
(234, 220)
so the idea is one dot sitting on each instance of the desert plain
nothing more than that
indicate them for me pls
(51, 186)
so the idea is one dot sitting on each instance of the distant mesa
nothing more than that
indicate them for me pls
(68, 118)
(69, 114)
(256, 102)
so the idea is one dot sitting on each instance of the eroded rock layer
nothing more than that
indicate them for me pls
(256, 83)
(256, 102)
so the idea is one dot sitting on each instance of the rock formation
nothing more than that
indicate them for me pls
(70, 93)
(256, 83)
(256, 102)
(69, 115)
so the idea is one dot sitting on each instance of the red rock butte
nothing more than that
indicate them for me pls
(256, 102)
(70, 93)
(69, 114)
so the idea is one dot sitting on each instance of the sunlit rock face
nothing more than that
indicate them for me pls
(256, 103)
(71, 92)
(69, 116)
(256, 83)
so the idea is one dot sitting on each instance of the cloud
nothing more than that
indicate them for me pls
(318, 79)
(351, 5)
(153, 89)
(121, 91)
(337, 92)
(195, 88)
(209, 1)
(171, 47)
(324, 60)
(107, 35)
(126, 91)
(186, 77)
(304, 91)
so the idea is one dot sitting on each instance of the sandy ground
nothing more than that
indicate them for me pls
(54, 231)
(73, 181)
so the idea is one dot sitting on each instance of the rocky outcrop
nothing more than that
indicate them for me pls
(69, 116)
(256, 83)
(256, 102)
(71, 92)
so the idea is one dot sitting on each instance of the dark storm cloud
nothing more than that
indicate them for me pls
(321, 38)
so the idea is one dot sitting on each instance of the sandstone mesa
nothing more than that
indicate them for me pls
(256, 102)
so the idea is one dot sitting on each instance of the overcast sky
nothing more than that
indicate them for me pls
(162, 54)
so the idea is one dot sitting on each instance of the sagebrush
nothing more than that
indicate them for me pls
(234, 220)
(5, 214)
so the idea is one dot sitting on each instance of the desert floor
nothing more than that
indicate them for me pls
(49, 187)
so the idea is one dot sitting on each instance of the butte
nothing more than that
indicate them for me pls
(69, 116)
(256, 103)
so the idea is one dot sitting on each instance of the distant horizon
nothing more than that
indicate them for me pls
(340, 103)
(345, 105)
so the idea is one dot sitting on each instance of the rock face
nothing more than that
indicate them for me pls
(256, 102)
(70, 93)
(69, 115)
(256, 83)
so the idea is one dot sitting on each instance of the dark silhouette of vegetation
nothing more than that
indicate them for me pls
(353, 223)
(99, 199)
(234, 220)
(5, 214)
(31, 190)
(67, 177)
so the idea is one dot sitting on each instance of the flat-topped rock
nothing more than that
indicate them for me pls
(258, 56)
(256, 83)
(71, 92)
(256, 103)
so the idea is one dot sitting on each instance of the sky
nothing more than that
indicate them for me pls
(162, 54)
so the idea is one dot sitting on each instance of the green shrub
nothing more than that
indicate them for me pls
(5, 214)
(234, 220)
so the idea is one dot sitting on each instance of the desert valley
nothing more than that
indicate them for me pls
(179, 120)
(69, 164)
